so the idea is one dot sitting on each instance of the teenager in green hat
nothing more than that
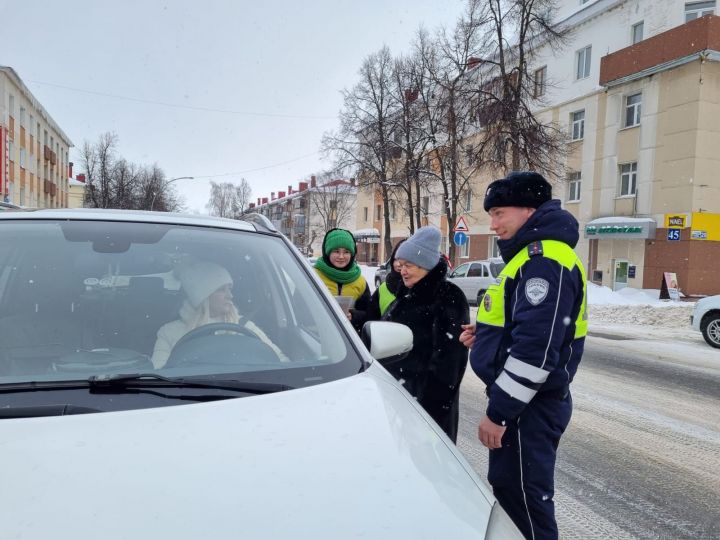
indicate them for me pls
(341, 274)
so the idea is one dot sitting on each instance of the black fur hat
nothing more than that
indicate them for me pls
(525, 189)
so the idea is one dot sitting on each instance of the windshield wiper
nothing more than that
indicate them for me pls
(152, 380)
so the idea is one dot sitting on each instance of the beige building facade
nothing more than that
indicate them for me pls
(34, 151)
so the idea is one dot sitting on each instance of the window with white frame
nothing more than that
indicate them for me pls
(694, 10)
(637, 32)
(465, 249)
(628, 179)
(582, 62)
(11, 105)
(632, 110)
(494, 250)
(577, 119)
(574, 184)
(22, 116)
(539, 80)
(22, 157)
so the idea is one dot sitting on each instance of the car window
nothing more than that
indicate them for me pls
(496, 268)
(476, 270)
(80, 299)
(461, 270)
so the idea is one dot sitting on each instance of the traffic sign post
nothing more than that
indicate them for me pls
(460, 238)
(461, 225)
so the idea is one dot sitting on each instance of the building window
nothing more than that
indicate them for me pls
(494, 250)
(578, 124)
(465, 250)
(540, 77)
(468, 201)
(574, 182)
(22, 157)
(426, 205)
(582, 63)
(11, 105)
(632, 110)
(694, 10)
(392, 210)
(628, 179)
(379, 212)
(365, 213)
(22, 116)
(637, 32)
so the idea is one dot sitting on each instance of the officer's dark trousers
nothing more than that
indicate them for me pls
(522, 472)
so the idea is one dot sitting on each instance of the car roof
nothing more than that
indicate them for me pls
(252, 222)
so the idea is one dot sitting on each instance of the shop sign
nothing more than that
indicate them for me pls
(698, 235)
(675, 221)
(614, 228)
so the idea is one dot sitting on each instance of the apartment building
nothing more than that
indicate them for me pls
(637, 90)
(34, 151)
(306, 213)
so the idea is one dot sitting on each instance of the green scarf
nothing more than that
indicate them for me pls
(338, 276)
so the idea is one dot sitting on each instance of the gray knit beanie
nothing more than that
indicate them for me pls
(422, 248)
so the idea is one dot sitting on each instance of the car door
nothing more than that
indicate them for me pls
(476, 279)
(459, 278)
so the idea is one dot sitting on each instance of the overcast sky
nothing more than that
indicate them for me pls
(214, 88)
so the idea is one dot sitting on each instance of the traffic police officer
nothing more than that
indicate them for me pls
(526, 346)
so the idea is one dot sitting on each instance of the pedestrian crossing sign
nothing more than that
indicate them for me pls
(461, 225)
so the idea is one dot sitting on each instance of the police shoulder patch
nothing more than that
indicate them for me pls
(535, 248)
(536, 290)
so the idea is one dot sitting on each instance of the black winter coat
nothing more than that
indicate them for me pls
(434, 309)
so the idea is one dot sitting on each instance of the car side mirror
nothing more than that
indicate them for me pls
(387, 340)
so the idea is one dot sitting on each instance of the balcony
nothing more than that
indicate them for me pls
(679, 43)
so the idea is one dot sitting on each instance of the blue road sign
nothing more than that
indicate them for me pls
(673, 235)
(460, 238)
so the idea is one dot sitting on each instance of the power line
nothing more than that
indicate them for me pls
(258, 168)
(188, 107)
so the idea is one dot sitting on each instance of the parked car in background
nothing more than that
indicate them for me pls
(474, 277)
(381, 273)
(295, 433)
(8, 206)
(706, 319)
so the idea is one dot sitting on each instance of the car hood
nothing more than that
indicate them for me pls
(351, 458)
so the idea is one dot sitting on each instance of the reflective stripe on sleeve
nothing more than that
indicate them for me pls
(515, 389)
(525, 370)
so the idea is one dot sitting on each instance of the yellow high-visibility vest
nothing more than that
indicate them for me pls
(491, 310)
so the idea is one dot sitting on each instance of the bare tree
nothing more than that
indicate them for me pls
(333, 201)
(228, 199)
(114, 182)
(363, 141)
(446, 61)
(514, 138)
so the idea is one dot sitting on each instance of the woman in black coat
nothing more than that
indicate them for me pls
(435, 310)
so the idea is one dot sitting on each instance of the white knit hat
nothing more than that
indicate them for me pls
(200, 279)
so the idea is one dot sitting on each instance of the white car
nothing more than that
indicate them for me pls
(475, 277)
(706, 319)
(228, 438)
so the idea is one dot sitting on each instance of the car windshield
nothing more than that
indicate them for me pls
(81, 299)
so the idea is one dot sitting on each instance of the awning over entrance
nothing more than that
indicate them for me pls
(620, 227)
(368, 236)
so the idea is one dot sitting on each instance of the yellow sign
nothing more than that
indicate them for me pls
(675, 221)
(705, 226)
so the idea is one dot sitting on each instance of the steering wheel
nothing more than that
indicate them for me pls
(205, 331)
(214, 328)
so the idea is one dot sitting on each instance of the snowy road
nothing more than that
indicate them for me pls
(641, 458)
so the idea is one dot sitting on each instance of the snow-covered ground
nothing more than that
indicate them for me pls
(636, 320)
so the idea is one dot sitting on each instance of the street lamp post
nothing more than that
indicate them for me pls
(166, 184)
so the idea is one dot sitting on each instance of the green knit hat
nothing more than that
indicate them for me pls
(338, 238)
